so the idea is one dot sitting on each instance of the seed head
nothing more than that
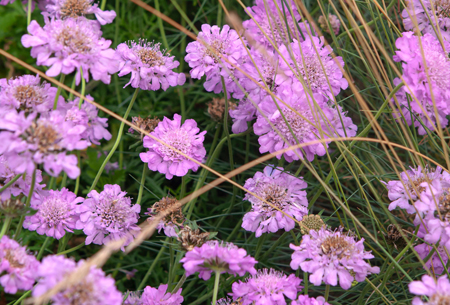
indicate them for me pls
(216, 108)
(311, 222)
(190, 238)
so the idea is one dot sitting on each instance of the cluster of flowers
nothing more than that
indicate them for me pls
(426, 193)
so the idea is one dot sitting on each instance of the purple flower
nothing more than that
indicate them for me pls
(305, 126)
(150, 67)
(271, 20)
(425, 13)
(310, 60)
(62, 9)
(434, 263)
(416, 94)
(280, 189)
(172, 221)
(207, 55)
(267, 287)
(402, 191)
(108, 216)
(331, 256)
(219, 257)
(437, 291)
(6, 2)
(28, 141)
(306, 300)
(20, 267)
(27, 93)
(74, 44)
(334, 22)
(184, 137)
(160, 296)
(243, 113)
(56, 214)
(95, 288)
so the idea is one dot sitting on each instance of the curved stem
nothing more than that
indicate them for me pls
(58, 92)
(216, 288)
(72, 249)
(27, 204)
(179, 284)
(83, 88)
(41, 251)
(5, 226)
(73, 88)
(10, 183)
(116, 144)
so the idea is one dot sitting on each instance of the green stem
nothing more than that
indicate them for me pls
(116, 144)
(216, 288)
(152, 266)
(73, 88)
(58, 92)
(161, 27)
(327, 292)
(5, 226)
(103, 5)
(179, 284)
(25, 295)
(10, 183)
(77, 182)
(171, 265)
(83, 88)
(64, 180)
(29, 12)
(41, 251)
(141, 187)
(27, 205)
(72, 249)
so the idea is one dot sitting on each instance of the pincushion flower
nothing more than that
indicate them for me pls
(71, 44)
(243, 113)
(412, 184)
(434, 263)
(436, 291)
(332, 256)
(334, 21)
(207, 55)
(108, 216)
(421, 72)
(306, 300)
(305, 124)
(271, 20)
(62, 9)
(28, 141)
(319, 71)
(95, 288)
(160, 296)
(218, 257)
(172, 221)
(282, 190)
(426, 14)
(56, 214)
(150, 68)
(184, 137)
(27, 93)
(268, 286)
(19, 267)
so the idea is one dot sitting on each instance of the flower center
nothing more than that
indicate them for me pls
(274, 194)
(178, 139)
(276, 28)
(13, 262)
(74, 40)
(74, 8)
(150, 57)
(176, 217)
(27, 96)
(81, 294)
(336, 246)
(53, 211)
(310, 68)
(44, 137)
(215, 48)
(300, 127)
(442, 8)
(438, 65)
(311, 222)
(439, 299)
(112, 213)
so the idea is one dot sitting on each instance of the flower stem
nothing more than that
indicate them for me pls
(216, 288)
(73, 88)
(25, 295)
(5, 226)
(116, 144)
(29, 12)
(141, 187)
(152, 266)
(10, 183)
(71, 249)
(77, 182)
(179, 284)
(27, 205)
(58, 92)
(327, 292)
(44, 245)
(83, 88)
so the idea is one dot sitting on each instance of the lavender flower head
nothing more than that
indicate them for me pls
(20, 267)
(434, 263)
(27, 93)
(150, 68)
(319, 71)
(437, 291)
(108, 216)
(28, 141)
(62, 9)
(160, 296)
(268, 286)
(71, 44)
(172, 221)
(306, 300)
(331, 256)
(184, 137)
(334, 22)
(207, 55)
(56, 214)
(95, 288)
(219, 257)
(419, 73)
(243, 113)
(281, 190)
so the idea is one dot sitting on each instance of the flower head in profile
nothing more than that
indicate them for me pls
(332, 256)
(437, 291)
(62, 9)
(95, 288)
(185, 137)
(306, 300)
(416, 99)
(310, 60)
(437, 258)
(190, 238)
(160, 296)
(71, 44)
(28, 141)
(207, 55)
(28, 94)
(17, 267)
(150, 68)
(172, 221)
(56, 214)
(268, 286)
(218, 257)
(108, 216)
(334, 22)
(283, 191)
